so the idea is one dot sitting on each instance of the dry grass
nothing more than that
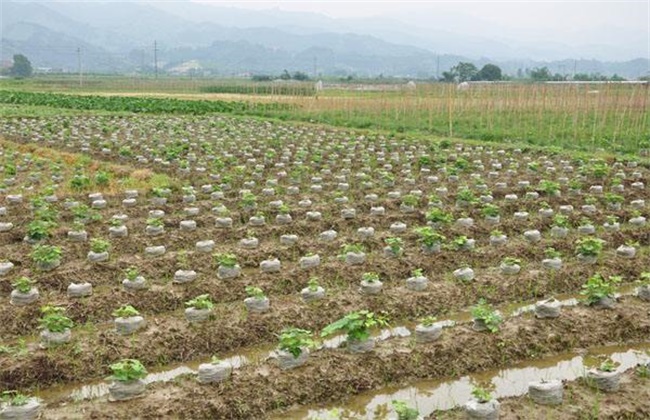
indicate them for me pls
(121, 176)
(142, 174)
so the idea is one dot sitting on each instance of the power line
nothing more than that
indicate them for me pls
(79, 66)
(155, 57)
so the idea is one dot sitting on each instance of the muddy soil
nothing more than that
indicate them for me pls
(256, 390)
(174, 340)
(259, 390)
(443, 295)
(580, 402)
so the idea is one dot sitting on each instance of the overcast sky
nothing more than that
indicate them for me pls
(541, 29)
(601, 11)
(591, 21)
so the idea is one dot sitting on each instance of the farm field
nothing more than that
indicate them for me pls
(583, 117)
(227, 266)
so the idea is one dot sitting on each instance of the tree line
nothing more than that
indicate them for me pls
(297, 75)
(466, 72)
(461, 72)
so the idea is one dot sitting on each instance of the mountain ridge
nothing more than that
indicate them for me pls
(111, 40)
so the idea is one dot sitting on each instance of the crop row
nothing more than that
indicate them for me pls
(330, 375)
(134, 104)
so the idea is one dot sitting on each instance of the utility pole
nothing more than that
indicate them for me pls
(155, 58)
(315, 67)
(437, 66)
(79, 66)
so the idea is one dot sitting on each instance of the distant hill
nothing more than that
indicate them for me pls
(119, 37)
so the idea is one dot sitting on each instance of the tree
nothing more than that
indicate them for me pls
(448, 76)
(300, 76)
(557, 77)
(21, 67)
(540, 74)
(285, 75)
(464, 71)
(581, 77)
(489, 72)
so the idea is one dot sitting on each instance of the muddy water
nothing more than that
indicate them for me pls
(444, 394)
(254, 355)
(396, 332)
(99, 389)
(566, 300)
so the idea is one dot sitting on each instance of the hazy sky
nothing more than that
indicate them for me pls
(552, 20)
(541, 29)
(602, 11)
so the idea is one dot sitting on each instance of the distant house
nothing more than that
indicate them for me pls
(192, 67)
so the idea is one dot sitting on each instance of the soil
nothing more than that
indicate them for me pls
(442, 296)
(256, 390)
(260, 389)
(580, 402)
